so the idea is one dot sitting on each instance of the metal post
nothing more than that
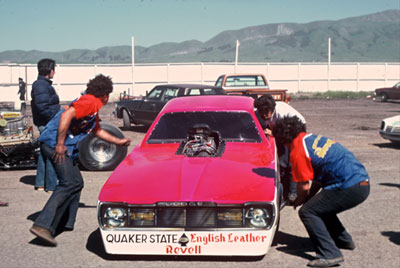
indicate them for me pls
(237, 54)
(202, 73)
(26, 83)
(133, 62)
(298, 77)
(329, 63)
(167, 73)
(385, 74)
(358, 75)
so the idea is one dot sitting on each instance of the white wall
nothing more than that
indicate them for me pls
(71, 79)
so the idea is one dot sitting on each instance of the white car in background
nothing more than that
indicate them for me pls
(390, 129)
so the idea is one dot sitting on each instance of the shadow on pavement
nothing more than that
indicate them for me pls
(29, 179)
(95, 245)
(294, 245)
(389, 145)
(393, 237)
(390, 184)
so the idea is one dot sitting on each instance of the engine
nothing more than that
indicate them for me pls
(201, 142)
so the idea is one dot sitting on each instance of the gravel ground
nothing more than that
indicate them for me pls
(374, 225)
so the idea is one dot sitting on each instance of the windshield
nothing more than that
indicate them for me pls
(240, 81)
(232, 126)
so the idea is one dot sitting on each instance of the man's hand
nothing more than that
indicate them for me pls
(59, 154)
(303, 189)
(267, 131)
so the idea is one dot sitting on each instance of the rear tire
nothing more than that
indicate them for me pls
(126, 120)
(98, 155)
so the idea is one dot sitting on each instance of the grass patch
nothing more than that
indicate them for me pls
(332, 95)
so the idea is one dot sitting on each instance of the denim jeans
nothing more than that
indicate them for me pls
(45, 174)
(65, 198)
(319, 216)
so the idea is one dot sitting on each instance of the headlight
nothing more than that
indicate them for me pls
(114, 217)
(142, 217)
(257, 217)
(230, 218)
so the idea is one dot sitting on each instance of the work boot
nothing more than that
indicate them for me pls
(44, 234)
(345, 245)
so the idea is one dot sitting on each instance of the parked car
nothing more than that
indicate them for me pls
(20, 149)
(203, 181)
(144, 110)
(253, 85)
(390, 129)
(386, 93)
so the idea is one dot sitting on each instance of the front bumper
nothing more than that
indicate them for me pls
(390, 135)
(247, 242)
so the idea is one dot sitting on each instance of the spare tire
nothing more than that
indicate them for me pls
(96, 154)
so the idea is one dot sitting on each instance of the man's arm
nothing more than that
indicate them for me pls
(65, 121)
(104, 135)
(303, 190)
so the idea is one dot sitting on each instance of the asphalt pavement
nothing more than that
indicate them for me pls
(374, 225)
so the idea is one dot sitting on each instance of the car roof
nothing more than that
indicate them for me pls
(241, 74)
(209, 103)
(199, 86)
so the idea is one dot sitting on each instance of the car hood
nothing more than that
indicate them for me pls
(391, 121)
(154, 173)
(382, 88)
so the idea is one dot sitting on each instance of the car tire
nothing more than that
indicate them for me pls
(96, 154)
(384, 97)
(126, 120)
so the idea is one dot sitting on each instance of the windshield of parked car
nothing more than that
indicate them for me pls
(240, 81)
(232, 126)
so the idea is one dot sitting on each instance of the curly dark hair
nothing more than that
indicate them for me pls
(288, 128)
(265, 104)
(99, 86)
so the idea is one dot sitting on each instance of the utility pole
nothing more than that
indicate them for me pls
(329, 62)
(133, 62)
(237, 54)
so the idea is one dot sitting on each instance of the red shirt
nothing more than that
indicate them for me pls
(88, 105)
(302, 169)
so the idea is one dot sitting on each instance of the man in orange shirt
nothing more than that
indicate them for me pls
(343, 179)
(59, 141)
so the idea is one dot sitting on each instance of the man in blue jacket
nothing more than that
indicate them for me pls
(45, 104)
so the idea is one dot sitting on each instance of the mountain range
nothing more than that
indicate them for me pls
(369, 38)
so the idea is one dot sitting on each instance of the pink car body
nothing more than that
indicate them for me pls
(163, 200)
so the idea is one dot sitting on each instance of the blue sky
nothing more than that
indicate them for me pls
(60, 25)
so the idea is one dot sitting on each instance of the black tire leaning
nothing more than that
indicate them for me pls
(126, 120)
(91, 159)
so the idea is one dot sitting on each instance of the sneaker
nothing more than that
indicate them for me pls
(39, 188)
(44, 234)
(3, 204)
(321, 262)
